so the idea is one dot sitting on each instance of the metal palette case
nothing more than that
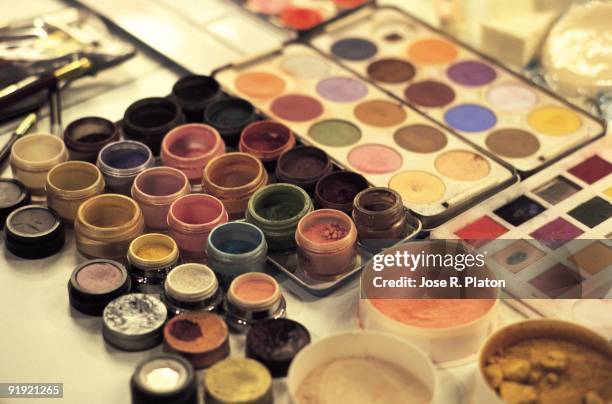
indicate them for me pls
(437, 181)
(512, 119)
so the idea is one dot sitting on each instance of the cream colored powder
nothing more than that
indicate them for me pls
(361, 380)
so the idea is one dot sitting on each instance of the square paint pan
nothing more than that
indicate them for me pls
(363, 129)
(507, 115)
(549, 237)
(300, 17)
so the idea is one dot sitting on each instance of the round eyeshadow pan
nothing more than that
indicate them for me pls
(380, 113)
(430, 94)
(374, 159)
(342, 89)
(305, 66)
(470, 118)
(99, 277)
(512, 143)
(260, 84)
(335, 133)
(296, 107)
(420, 138)
(391, 71)
(418, 187)
(471, 73)
(463, 165)
(354, 49)
(432, 51)
(300, 18)
(554, 120)
(511, 97)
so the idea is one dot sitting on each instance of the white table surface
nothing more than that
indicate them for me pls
(43, 340)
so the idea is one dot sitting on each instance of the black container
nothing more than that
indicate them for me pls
(85, 137)
(145, 392)
(230, 116)
(303, 166)
(13, 195)
(93, 302)
(338, 190)
(193, 94)
(34, 232)
(275, 343)
(149, 119)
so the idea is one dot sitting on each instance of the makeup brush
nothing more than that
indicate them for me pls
(21, 130)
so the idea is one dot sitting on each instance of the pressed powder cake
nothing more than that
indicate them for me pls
(550, 371)
(433, 313)
(361, 380)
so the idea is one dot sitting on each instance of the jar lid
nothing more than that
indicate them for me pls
(34, 232)
(95, 283)
(134, 322)
(238, 380)
(164, 378)
(13, 194)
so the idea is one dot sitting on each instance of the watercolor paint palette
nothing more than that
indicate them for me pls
(300, 15)
(363, 129)
(502, 112)
(550, 235)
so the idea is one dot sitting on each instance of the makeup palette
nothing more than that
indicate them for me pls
(550, 236)
(500, 111)
(363, 129)
(300, 16)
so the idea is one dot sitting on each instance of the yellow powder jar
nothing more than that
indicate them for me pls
(151, 257)
(106, 224)
(70, 184)
(33, 156)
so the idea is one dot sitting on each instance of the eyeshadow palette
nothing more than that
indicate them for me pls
(500, 111)
(300, 15)
(550, 235)
(363, 129)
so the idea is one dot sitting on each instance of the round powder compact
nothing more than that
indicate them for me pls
(275, 343)
(95, 283)
(164, 379)
(238, 380)
(253, 297)
(191, 287)
(134, 322)
(13, 195)
(202, 338)
(34, 232)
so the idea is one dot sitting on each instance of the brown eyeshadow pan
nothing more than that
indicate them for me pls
(512, 143)
(391, 71)
(429, 94)
(420, 138)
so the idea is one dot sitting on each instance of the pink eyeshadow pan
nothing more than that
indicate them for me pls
(99, 277)
(375, 159)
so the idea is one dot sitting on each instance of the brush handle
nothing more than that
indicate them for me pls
(6, 149)
(21, 130)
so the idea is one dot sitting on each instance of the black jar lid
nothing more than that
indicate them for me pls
(34, 232)
(275, 343)
(230, 116)
(148, 120)
(95, 283)
(194, 93)
(13, 195)
(148, 386)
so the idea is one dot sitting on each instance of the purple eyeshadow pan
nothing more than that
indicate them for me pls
(471, 73)
(556, 280)
(556, 233)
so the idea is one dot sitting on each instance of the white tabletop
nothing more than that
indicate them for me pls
(43, 340)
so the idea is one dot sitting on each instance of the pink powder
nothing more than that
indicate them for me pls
(99, 277)
(325, 232)
(433, 313)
